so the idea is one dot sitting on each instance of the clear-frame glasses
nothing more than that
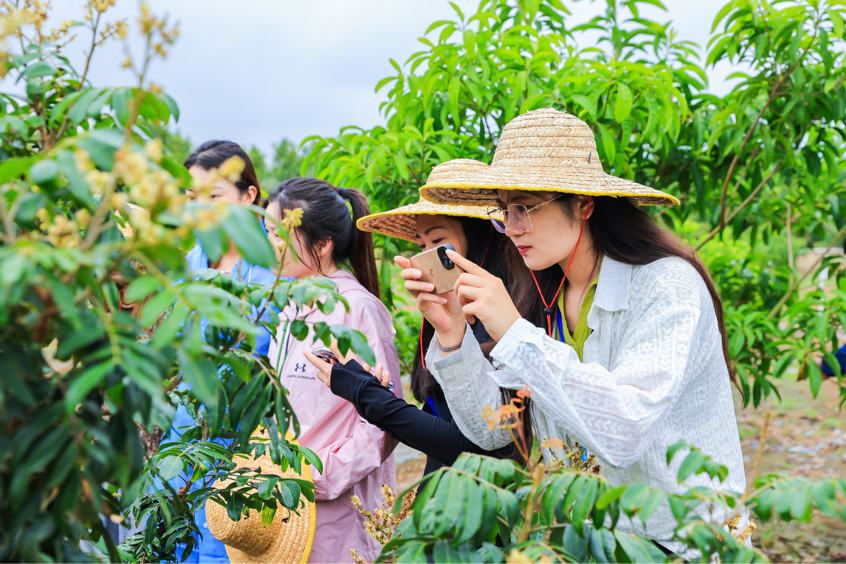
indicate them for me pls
(517, 215)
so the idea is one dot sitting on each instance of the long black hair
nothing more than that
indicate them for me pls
(327, 217)
(622, 231)
(212, 154)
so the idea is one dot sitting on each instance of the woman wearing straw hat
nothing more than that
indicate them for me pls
(431, 429)
(615, 327)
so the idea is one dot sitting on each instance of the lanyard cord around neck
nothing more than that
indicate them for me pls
(422, 352)
(548, 307)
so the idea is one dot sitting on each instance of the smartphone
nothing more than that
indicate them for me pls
(437, 268)
(324, 354)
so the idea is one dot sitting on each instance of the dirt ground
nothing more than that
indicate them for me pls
(806, 437)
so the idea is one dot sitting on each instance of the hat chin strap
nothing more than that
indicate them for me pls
(548, 307)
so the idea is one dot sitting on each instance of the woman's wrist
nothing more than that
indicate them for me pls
(451, 339)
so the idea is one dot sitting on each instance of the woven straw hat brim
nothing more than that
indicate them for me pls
(284, 541)
(480, 188)
(402, 222)
(542, 150)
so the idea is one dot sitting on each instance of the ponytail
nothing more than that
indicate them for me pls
(360, 252)
(327, 217)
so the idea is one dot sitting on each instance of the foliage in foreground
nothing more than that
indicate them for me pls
(564, 510)
(104, 333)
(760, 171)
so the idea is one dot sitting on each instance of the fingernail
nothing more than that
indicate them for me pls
(443, 300)
(430, 287)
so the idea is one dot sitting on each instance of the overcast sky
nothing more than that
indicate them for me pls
(255, 71)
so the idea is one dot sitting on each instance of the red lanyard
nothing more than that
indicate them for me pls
(548, 307)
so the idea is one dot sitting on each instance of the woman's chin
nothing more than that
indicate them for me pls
(536, 263)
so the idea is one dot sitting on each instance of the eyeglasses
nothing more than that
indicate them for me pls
(517, 215)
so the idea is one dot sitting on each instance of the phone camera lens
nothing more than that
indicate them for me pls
(445, 260)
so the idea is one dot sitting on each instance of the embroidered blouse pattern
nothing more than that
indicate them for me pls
(653, 373)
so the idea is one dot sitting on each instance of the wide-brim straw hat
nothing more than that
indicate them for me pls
(289, 537)
(402, 222)
(542, 150)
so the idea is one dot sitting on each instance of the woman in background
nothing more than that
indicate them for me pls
(357, 457)
(245, 191)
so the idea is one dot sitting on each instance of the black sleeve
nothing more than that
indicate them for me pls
(422, 431)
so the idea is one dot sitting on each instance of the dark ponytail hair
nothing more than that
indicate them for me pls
(622, 231)
(327, 217)
(212, 154)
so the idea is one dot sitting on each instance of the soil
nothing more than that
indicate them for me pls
(806, 437)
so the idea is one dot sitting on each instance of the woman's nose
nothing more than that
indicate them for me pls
(510, 230)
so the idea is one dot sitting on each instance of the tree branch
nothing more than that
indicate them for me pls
(745, 203)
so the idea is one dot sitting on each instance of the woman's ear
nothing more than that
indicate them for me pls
(325, 248)
(250, 196)
(585, 207)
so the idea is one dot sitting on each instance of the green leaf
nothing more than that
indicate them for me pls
(449, 501)
(671, 452)
(142, 287)
(170, 468)
(82, 385)
(201, 373)
(800, 506)
(235, 507)
(358, 343)
(623, 104)
(584, 504)
(44, 171)
(815, 377)
(243, 228)
(41, 68)
(692, 465)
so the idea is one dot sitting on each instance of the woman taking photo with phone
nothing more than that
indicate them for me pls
(615, 326)
(357, 457)
(430, 429)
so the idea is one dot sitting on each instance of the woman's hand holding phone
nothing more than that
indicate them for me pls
(483, 296)
(324, 368)
(443, 312)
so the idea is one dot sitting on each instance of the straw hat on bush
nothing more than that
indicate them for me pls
(542, 150)
(288, 538)
(402, 222)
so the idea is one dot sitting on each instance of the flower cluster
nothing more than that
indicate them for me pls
(576, 458)
(150, 23)
(507, 416)
(381, 523)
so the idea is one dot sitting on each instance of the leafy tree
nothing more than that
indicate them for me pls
(101, 321)
(287, 163)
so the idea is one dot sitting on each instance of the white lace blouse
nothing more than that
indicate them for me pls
(653, 373)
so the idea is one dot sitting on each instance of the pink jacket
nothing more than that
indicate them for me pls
(357, 457)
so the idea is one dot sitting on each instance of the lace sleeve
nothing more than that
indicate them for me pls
(614, 413)
(468, 389)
